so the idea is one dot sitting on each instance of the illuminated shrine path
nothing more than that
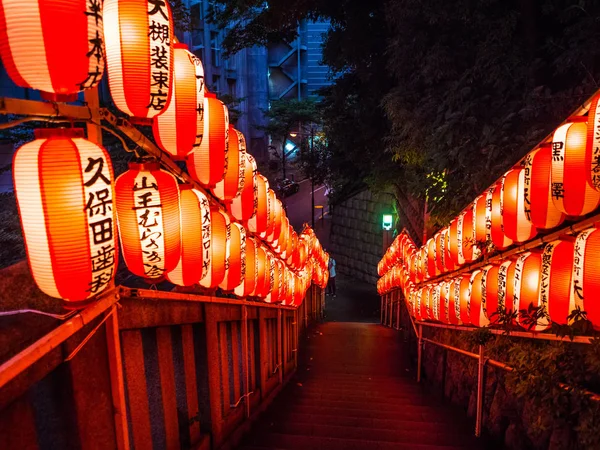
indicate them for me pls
(354, 390)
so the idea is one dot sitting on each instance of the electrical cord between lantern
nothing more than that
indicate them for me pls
(37, 311)
(91, 334)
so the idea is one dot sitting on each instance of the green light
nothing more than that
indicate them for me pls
(387, 221)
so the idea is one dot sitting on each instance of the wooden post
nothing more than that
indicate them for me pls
(92, 99)
(245, 367)
(263, 351)
(116, 381)
(214, 374)
(480, 391)
(296, 338)
(279, 346)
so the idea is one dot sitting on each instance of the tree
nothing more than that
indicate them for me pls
(285, 115)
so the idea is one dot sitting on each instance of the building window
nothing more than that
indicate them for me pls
(231, 87)
(216, 82)
(215, 50)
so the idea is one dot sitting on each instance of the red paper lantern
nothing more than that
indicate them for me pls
(249, 267)
(195, 238)
(539, 207)
(593, 142)
(178, 130)
(586, 274)
(139, 55)
(147, 201)
(440, 249)
(506, 287)
(572, 191)
(494, 217)
(436, 292)
(55, 46)
(477, 298)
(514, 220)
(455, 241)
(208, 161)
(470, 250)
(262, 273)
(244, 205)
(236, 254)
(233, 182)
(220, 228)
(555, 281)
(432, 270)
(527, 288)
(462, 298)
(489, 286)
(259, 222)
(479, 218)
(63, 185)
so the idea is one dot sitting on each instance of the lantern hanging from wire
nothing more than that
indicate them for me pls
(539, 207)
(208, 161)
(244, 205)
(147, 202)
(527, 290)
(233, 181)
(194, 261)
(514, 220)
(219, 242)
(56, 47)
(178, 130)
(586, 274)
(235, 269)
(555, 279)
(572, 191)
(64, 190)
(139, 55)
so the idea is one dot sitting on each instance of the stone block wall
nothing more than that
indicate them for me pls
(356, 235)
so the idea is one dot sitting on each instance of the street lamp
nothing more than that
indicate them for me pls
(311, 135)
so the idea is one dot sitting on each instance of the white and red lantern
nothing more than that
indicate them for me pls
(233, 181)
(139, 55)
(64, 189)
(178, 130)
(556, 291)
(586, 274)
(515, 223)
(243, 206)
(527, 290)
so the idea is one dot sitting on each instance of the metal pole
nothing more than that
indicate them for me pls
(419, 353)
(480, 392)
(312, 177)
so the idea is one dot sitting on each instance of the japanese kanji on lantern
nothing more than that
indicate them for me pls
(178, 130)
(236, 264)
(147, 201)
(494, 217)
(220, 229)
(54, 46)
(208, 162)
(593, 142)
(527, 289)
(234, 180)
(63, 185)
(243, 206)
(514, 220)
(477, 297)
(572, 191)
(586, 274)
(263, 273)
(248, 285)
(194, 261)
(139, 55)
(260, 221)
(556, 278)
(539, 207)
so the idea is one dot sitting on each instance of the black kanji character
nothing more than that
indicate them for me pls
(144, 200)
(100, 281)
(158, 100)
(158, 8)
(97, 49)
(144, 185)
(153, 271)
(94, 9)
(93, 78)
(103, 202)
(102, 231)
(105, 258)
(98, 175)
(152, 256)
(144, 219)
(159, 58)
(160, 32)
(161, 79)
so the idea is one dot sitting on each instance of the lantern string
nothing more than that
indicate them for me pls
(17, 122)
(36, 311)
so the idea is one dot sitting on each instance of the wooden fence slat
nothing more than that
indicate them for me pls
(235, 360)
(167, 385)
(224, 352)
(191, 387)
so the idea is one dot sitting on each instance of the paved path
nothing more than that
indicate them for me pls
(354, 390)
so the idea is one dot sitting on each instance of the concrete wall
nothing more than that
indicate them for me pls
(357, 237)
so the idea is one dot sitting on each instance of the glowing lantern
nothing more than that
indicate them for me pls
(53, 46)
(63, 185)
(447, 261)
(432, 270)
(479, 218)
(593, 142)
(235, 269)
(514, 220)
(426, 300)
(233, 182)
(147, 201)
(539, 207)
(262, 273)
(455, 241)
(443, 301)
(506, 287)
(470, 250)
(555, 281)
(477, 297)
(586, 274)
(208, 161)
(244, 204)
(277, 216)
(260, 221)
(527, 288)
(139, 55)
(249, 268)
(178, 130)
(220, 228)
(194, 261)
(462, 298)
(572, 191)
(489, 287)
(435, 301)
(440, 249)
(494, 218)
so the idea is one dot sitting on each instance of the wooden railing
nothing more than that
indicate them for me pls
(148, 369)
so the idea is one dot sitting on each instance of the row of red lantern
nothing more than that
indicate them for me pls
(67, 204)
(555, 181)
(564, 275)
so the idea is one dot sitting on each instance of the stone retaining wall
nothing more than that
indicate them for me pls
(356, 235)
